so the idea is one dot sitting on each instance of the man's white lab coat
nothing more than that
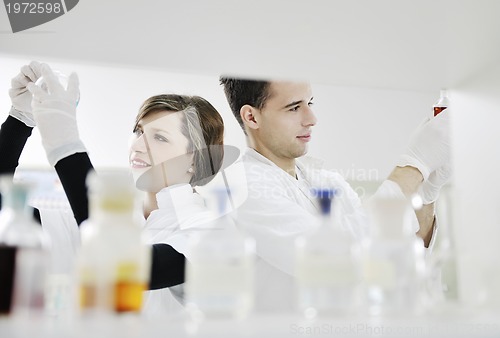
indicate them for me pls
(278, 209)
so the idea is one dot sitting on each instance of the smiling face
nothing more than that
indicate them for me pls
(282, 129)
(158, 152)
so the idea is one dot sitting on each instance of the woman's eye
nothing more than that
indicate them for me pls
(310, 104)
(160, 138)
(137, 132)
(294, 108)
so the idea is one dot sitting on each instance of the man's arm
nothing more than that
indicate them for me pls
(409, 180)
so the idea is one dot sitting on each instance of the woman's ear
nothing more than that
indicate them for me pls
(250, 116)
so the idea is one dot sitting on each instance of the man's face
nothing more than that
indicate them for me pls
(286, 120)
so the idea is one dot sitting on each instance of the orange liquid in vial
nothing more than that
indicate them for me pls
(128, 296)
(88, 296)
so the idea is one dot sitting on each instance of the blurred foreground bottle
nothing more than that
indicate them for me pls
(114, 262)
(24, 256)
(220, 267)
(394, 267)
(328, 266)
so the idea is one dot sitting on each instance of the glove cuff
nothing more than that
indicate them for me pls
(26, 118)
(405, 161)
(57, 154)
(429, 192)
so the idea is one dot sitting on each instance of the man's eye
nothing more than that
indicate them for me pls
(294, 108)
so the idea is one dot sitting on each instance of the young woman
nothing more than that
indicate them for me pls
(177, 145)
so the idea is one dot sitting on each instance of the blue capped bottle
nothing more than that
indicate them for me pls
(328, 266)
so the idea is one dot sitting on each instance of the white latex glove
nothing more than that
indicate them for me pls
(19, 94)
(429, 190)
(54, 111)
(429, 147)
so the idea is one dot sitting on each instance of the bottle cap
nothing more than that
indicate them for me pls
(324, 198)
(443, 101)
(112, 190)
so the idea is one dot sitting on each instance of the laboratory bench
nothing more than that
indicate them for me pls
(449, 321)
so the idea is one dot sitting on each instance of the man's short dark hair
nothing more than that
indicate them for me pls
(240, 92)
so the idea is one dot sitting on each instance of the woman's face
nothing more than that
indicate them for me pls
(158, 152)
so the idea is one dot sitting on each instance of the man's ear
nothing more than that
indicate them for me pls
(250, 116)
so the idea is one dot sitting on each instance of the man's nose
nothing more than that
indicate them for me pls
(309, 118)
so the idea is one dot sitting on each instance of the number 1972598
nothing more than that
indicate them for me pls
(33, 8)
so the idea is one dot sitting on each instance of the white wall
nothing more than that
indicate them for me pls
(476, 108)
(360, 131)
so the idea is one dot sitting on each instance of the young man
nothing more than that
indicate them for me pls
(278, 121)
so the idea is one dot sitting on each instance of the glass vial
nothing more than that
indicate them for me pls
(393, 260)
(114, 261)
(220, 267)
(23, 253)
(442, 103)
(328, 266)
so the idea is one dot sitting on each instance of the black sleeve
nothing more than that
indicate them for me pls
(72, 172)
(168, 265)
(13, 137)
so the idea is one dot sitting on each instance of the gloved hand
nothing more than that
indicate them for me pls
(19, 94)
(54, 111)
(429, 190)
(429, 147)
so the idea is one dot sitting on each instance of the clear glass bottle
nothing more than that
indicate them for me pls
(442, 103)
(220, 267)
(23, 253)
(113, 265)
(393, 262)
(328, 265)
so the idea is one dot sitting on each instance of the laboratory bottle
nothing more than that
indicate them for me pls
(442, 264)
(442, 103)
(220, 265)
(24, 257)
(114, 261)
(328, 265)
(393, 260)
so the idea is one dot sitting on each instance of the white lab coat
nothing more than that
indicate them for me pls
(278, 209)
(181, 214)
